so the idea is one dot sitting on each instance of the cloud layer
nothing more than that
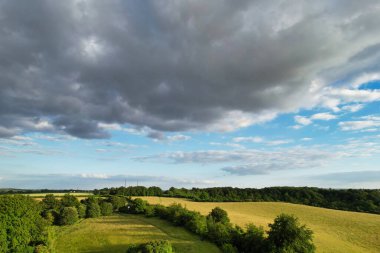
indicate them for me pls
(70, 66)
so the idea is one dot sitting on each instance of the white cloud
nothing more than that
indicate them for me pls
(323, 116)
(302, 120)
(365, 78)
(249, 160)
(255, 139)
(359, 125)
(353, 108)
(258, 139)
(94, 175)
(178, 137)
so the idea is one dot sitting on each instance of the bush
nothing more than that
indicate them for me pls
(68, 216)
(82, 211)
(287, 235)
(106, 208)
(219, 215)
(151, 247)
(158, 247)
(51, 216)
(229, 248)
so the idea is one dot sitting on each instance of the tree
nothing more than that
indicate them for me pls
(219, 215)
(253, 239)
(287, 235)
(68, 216)
(50, 203)
(20, 223)
(93, 208)
(106, 208)
(117, 202)
(69, 201)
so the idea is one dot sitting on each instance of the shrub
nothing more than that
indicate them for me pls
(287, 235)
(82, 211)
(158, 247)
(151, 247)
(229, 248)
(219, 215)
(68, 216)
(51, 216)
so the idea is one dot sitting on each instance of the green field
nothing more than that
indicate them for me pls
(113, 233)
(334, 231)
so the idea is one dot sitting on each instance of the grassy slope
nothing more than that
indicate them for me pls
(114, 233)
(334, 231)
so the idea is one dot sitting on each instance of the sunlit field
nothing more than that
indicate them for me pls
(334, 231)
(113, 233)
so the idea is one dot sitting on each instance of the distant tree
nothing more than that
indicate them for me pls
(106, 208)
(50, 203)
(137, 205)
(69, 201)
(68, 216)
(117, 202)
(219, 215)
(286, 235)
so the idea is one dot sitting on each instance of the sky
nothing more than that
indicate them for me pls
(188, 94)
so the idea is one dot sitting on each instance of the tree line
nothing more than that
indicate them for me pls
(285, 234)
(25, 223)
(358, 200)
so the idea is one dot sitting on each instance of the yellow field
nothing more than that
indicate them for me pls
(60, 194)
(112, 234)
(334, 231)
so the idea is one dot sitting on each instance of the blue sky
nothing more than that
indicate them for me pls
(194, 94)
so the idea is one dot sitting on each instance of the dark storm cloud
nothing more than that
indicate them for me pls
(173, 65)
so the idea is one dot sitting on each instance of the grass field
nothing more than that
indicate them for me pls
(113, 233)
(334, 231)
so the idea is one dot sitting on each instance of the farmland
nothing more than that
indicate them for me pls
(334, 231)
(114, 233)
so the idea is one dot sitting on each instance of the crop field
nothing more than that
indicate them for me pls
(334, 231)
(113, 233)
(59, 194)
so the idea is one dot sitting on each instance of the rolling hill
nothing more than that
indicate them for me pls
(334, 231)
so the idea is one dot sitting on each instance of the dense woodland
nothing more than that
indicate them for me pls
(359, 200)
(25, 225)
